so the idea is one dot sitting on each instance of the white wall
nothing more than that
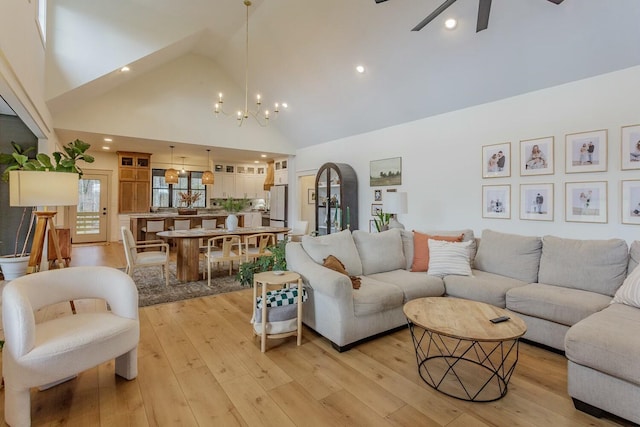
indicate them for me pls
(442, 167)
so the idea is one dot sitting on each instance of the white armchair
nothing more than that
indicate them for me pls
(54, 350)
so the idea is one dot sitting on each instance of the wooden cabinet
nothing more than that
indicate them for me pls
(336, 198)
(134, 175)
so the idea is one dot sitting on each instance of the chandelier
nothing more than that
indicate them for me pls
(261, 116)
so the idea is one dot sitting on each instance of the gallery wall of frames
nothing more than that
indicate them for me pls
(583, 199)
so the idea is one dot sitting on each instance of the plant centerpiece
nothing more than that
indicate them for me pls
(233, 206)
(187, 199)
(18, 160)
(273, 262)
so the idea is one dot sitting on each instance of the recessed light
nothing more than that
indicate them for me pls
(108, 140)
(124, 69)
(256, 161)
(263, 155)
(450, 24)
(285, 105)
(360, 69)
(105, 147)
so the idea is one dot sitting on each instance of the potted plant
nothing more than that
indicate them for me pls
(233, 206)
(382, 221)
(273, 262)
(15, 265)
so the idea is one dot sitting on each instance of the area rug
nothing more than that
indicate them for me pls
(151, 288)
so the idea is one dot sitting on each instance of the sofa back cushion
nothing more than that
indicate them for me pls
(509, 255)
(634, 256)
(380, 252)
(591, 265)
(340, 245)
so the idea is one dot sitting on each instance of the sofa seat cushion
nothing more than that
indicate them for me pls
(413, 285)
(555, 303)
(608, 342)
(340, 245)
(591, 265)
(375, 297)
(379, 251)
(482, 286)
(509, 255)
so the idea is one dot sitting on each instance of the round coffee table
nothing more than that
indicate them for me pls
(459, 351)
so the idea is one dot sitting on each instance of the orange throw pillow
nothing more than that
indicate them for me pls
(337, 265)
(421, 248)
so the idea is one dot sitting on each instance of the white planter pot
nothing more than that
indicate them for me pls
(231, 222)
(12, 267)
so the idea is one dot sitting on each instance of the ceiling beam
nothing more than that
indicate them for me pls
(433, 15)
(484, 9)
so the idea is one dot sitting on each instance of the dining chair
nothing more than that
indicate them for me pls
(262, 242)
(207, 224)
(159, 255)
(300, 228)
(222, 249)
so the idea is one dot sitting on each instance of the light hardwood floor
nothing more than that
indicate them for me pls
(199, 364)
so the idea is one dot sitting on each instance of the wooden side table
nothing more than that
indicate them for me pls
(269, 278)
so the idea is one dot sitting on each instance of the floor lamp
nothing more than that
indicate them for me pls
(36, 188)
(395, 203)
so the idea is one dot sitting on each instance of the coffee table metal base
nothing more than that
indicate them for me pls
(476, 371)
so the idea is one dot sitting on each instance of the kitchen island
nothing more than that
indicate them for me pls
(138, 221)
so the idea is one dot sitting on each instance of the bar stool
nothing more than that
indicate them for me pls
(151, 228)
(179, 224)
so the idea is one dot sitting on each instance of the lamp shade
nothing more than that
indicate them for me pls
(395, 203)
(36, 188)
(171, 176)
(207, 177)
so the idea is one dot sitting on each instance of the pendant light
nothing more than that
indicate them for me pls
(171, 175)
(207, 176)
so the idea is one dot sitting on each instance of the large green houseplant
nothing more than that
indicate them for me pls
(18, 160)
(273, 262)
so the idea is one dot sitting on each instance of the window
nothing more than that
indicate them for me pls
(42, 20)
(167, 195)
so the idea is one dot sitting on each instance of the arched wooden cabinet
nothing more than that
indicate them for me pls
(336, 198)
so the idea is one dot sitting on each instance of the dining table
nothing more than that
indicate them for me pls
(188, 246)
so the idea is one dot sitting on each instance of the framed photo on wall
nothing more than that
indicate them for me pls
(385, 172)
(586, 201)
(536, 202)
(631, 202)
(496, 160)
(630, 147)
(376, 208)
(372, 226)
(586, 151)
(496, 201)
(536, 156)
(377, 195)
(311, 196)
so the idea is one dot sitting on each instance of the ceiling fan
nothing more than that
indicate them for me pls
(484, 7)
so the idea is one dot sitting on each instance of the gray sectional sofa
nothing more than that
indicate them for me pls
(562, 288)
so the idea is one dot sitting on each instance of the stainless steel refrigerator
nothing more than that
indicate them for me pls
(278, 206)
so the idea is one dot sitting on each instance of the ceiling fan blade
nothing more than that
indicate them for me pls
(433, 15)
(556, 1)
(484, 8)
(382, 1)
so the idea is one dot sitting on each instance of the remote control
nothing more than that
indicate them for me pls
(500, 319)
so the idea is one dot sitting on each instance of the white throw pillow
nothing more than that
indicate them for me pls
(449, 258)
(629, 292)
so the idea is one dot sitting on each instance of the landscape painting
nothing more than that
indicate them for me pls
(385, 172)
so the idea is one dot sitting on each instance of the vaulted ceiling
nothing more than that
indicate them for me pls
(305, 52)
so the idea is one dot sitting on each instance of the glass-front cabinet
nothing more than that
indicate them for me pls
(336, 198)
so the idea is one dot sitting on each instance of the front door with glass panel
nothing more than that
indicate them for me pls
(91, 213)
